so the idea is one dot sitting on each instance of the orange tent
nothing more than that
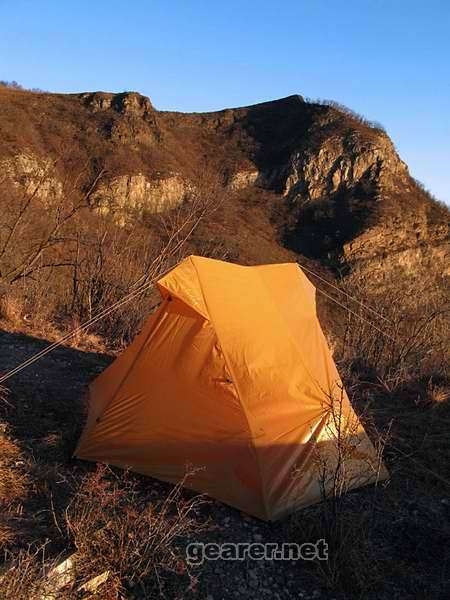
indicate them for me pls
(232, 374)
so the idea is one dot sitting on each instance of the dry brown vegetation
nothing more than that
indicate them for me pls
(110, 527)
(135, 540)
(14, 483)
(352, 565)
(61, 263)
(341, 109)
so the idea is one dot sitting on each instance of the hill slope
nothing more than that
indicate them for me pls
(339, 188)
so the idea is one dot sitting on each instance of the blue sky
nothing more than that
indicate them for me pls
(387, 59)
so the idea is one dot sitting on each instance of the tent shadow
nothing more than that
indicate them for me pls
(44, 406)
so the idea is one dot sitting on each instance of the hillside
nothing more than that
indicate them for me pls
(99, 194)
(330, 185)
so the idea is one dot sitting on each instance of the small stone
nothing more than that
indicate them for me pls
(93, 584)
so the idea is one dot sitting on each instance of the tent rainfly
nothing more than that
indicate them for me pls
(231, 374)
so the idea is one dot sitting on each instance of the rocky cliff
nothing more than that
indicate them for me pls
(309, 178)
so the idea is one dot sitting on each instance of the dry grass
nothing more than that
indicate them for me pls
(14, 486)
(11, 309)
(395, 344)
(437, 393)
(7, 532)
(23, 575)
(83, 339)
(13, 479)
(111, 524)
(115, 528)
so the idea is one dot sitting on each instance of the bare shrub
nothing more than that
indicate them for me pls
(65, 262)
(351, 565)
(23, 576)
(348, 112)
(394, 344)
(437, 393)
(11, 309)
(14, 484)
(111, 527)
(13, 479)
(35, 226)
(11, 84)
(115, 528)
(7, 531)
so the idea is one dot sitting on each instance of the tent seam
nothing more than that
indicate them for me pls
(170, 292)
(294, 339)
(228, 365)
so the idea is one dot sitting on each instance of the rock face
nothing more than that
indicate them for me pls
(132, 118)
(343, 162)
(339, 192)
(129, 196)
(128, 103)
(244, 179)
(33, 175)
(413, 255)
